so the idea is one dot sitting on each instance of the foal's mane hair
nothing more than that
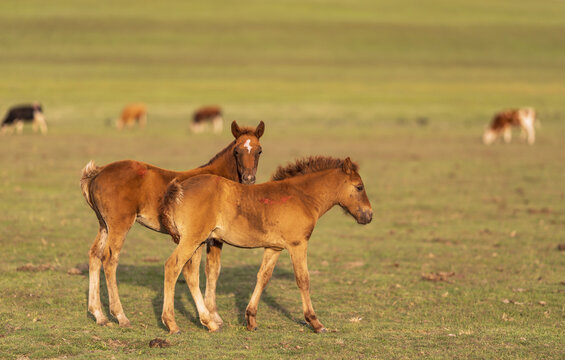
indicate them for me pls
(242, 131)
(309, 165)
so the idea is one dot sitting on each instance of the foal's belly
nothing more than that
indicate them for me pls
(150, 222)
(248, 238)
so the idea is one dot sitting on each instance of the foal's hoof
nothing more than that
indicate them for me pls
(102, 322)
(218, 320)
(101, 319)
(252, 328)
(174, 331)
(125, 324)
(322, 330)
(123, 321)
(212, 326)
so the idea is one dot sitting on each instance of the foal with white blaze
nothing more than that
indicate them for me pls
(276, 215)
(124, 192)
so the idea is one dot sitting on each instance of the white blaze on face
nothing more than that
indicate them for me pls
(247, 146)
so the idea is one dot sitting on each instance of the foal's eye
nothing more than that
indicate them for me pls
(236, 152)
(260, 152)
(359, 187)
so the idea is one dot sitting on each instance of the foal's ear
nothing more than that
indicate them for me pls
(348, 167)
(235, 130)
(260, 129)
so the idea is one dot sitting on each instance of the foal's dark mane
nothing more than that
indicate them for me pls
(243, 131)
(308, 165)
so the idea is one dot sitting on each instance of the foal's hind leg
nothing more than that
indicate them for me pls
(94, 264)
(270, 258)
(191, 272)
(173, 266)
(213, 266)
(116, 236)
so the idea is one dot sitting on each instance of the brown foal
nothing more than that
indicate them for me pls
(276, 215)
(127, 191)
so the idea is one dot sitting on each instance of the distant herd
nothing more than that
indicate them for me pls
(136, 114)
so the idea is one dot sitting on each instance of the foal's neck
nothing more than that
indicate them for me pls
(222, 164)
(321, 187)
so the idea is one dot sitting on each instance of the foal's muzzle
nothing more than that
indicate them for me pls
(365, 217)
(248, 179)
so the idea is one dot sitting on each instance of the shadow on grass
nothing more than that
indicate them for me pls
(236, 280)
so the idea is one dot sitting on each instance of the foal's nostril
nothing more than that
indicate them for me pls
(367, 216)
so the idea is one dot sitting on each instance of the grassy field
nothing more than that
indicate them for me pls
(405, 89)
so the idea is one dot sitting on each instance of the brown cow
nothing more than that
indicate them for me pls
(207, 114)
(503, 122)
(132, 114)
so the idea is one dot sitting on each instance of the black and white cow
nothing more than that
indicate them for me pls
(19, 114)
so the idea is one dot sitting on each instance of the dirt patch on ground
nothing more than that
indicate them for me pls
(35, 268)
(544, 211)
(116, 344)
(438, 276)
(353, 264)
(159, 343)
(79, 269)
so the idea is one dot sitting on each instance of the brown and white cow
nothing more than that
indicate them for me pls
(207, 114)
(132, 114)
(503, 122)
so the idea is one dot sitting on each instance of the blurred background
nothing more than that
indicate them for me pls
(356, 65)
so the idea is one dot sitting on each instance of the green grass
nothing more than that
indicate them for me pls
(340, 78)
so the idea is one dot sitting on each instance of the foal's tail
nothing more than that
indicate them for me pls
(173, 195)
(88, 174)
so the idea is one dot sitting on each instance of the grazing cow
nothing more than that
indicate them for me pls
(132, 114)
(17, 115)
(207, 114)
(503, 122)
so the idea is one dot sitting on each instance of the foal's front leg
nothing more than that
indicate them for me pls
(299, 262)
(270, 257)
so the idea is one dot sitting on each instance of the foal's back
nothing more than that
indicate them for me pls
(134, 187)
